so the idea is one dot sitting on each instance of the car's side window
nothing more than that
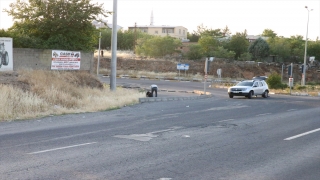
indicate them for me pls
(256, 84)
(261, 84)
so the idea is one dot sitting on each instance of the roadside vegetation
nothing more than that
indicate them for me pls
(274, 80)
(41, 93)
(63, 28)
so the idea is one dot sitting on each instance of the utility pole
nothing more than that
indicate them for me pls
(98, 63)
(114, 49)
(135, 36)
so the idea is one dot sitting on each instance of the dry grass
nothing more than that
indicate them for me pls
(155, 75)
(138, 74)
(55, 92)
(309, 89)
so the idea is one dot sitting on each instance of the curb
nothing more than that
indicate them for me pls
(158, 99)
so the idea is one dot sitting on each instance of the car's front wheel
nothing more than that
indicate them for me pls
(250, 95)
(230, 96)
(265, 94)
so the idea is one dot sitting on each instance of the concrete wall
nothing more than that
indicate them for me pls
(41, 59)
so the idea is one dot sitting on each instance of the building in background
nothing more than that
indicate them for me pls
(252, 38)
(179, 32)
(105, 25)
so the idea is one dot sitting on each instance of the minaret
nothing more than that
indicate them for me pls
(151, 19)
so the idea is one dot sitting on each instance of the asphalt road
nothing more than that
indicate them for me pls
(213, 138)
(166, 88)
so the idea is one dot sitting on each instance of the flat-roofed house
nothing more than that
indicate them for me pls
(179, 32)
(252, 38)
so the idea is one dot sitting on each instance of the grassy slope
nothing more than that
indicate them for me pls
(56, 92)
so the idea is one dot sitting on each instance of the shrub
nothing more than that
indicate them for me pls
(274, 81)
(245, 57)
(220, 52)
(195, 52)
(301, 87)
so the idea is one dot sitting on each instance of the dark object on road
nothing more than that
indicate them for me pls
(148, 94)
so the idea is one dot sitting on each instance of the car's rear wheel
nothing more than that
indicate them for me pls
(230, 96)
(250, 95)
(265, 94)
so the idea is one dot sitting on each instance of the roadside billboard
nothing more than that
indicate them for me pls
(6, 57)
(65, 60)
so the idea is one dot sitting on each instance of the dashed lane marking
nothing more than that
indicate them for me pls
(300, 135)
(60, 148)
(263, 114)
(226, 120)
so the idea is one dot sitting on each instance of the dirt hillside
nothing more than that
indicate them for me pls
(230, 69)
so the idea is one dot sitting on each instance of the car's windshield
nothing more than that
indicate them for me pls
(245, 84)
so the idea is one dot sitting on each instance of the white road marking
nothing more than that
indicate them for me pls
(226, 120)
(223, 108)
(66, 147)
(291, 109)
(147, 136)
(300, 135)
(137, 137)
(263, 114)
(165, 130)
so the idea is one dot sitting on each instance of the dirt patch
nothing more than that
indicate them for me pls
(12, 78)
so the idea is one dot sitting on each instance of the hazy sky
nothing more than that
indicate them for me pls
(285, 17)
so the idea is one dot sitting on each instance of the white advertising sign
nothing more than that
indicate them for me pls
(6, 57)
(65, 60)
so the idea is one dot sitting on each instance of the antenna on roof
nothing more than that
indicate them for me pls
(151, 19)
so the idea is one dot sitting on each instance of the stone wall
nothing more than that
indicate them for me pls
(230, 69)
(41, 59)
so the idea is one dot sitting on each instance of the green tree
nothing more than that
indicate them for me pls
(157, 46)
(314, 49)
(238, 44)
(245, 57)
(296, 48)
(4, 33)
(125, 40)
(269, 33)
(259, 49)
(205, 31)
(193, 37)
(195, 52)
(280, 47)
(58, 24)
(226, 31)
(208, 45)
(221, 52)
(106, 35)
